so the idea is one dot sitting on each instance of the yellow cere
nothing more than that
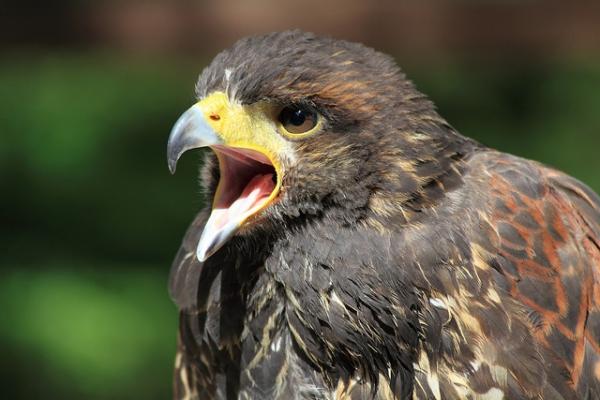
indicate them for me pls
(245, 126)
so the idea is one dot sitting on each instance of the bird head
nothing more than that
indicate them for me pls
(302, 126)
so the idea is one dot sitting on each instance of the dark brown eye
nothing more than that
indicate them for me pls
(297, 119)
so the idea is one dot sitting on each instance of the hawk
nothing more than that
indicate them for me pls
(356, 246)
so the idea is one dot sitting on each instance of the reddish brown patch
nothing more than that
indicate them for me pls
(560, 223)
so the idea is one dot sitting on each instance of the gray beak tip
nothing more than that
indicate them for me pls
(191, 131)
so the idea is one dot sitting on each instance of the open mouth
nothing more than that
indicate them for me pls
(250, 176)
(248, 181)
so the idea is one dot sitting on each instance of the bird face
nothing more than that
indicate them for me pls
(297, 124)
(254, 144)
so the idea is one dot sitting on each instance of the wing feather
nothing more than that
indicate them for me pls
(546, 246)
(584, 205)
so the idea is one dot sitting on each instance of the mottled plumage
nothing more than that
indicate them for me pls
(400, 260)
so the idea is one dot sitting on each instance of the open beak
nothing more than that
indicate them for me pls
(249, 178)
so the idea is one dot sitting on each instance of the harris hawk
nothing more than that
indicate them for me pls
(357, 246)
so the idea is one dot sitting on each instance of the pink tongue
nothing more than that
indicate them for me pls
(256, 192)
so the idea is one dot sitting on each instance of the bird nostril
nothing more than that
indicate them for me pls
(214, 117)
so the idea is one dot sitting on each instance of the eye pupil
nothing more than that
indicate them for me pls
(297, 119)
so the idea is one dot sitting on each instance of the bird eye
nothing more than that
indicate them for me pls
(297, 119)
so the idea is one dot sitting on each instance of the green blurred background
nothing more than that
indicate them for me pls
(89, 90)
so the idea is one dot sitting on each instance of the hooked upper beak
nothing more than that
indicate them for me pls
(191, 131)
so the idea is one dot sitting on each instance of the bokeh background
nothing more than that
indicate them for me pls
(90, 217)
